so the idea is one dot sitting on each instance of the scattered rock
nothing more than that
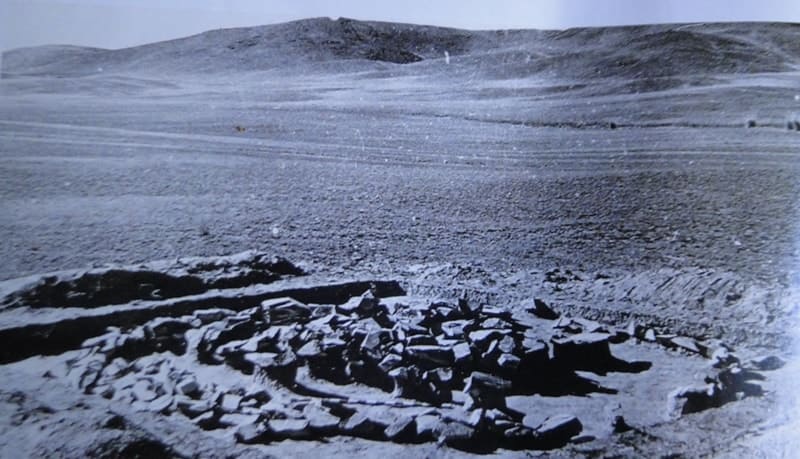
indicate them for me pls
(362, 425)
(542, 310)
(403, 430)
(429, 356)
(588, 351)
(462, 353)
(229, 403)
(487, 391)
(768, 363)
(556, 431)
(188, 386)
(251, 433)
(281, 311)
(290, 428)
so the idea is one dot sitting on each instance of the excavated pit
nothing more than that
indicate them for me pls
(293, 357)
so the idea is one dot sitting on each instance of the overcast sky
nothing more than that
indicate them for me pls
(121, 23)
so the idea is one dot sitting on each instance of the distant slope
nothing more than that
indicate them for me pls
(655, 51)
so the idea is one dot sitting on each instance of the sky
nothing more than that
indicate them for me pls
(123, 23)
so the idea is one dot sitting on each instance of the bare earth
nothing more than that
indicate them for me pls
(623, 175)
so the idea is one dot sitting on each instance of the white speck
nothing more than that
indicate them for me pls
(276, 231)
(797, 97)
(737, 243)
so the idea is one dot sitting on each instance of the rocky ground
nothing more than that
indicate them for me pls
(559, 243)
(252, 351)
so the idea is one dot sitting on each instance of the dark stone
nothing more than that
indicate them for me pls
(585, 351)
(390, 362)
(161, 404)
(556, 431)
(496, 323)
(361, 305)
(687, 344)
(362, 425)
(507, 345)
(236, 419)
(430, 356)
(620, 426)
(251, 433)
(482, 338)
(310, 350)
(229, 403)
(457, 435)
(192, 408)
(320, 419)
(421, 340)
(282, 311)
(404, 430)
(454, 328)
(542, 310)
(487, 391)
(428, 427)
(290, 428)
(462, 354)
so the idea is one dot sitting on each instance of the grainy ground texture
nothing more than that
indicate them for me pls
(395, 240)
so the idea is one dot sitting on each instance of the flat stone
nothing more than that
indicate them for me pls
(289, 428)
(161, 404)
(237, 419)
(361, 425)
(685, 343)
(590, 326)
(390, 362)
(428, 426)
(193, 408)
(589, 351)
(249, 434)
(443, 375)
(285, 311)
(361, 305)
(692, 399)
(320, 419)
(482, 338)
(212, 315)
(207, 420)
(188, 386)
(261, 359)
(496, 323)
(507, 345)
(508, 362)
(309, 350)
(372, 342)
(333, 344)
(558, 430)
(493, 311)
(229, 403)
(141, 391)
(454, 328)
(430, 356)
(421, 340)
(462, 353)
(542, 310)
(402, 430)
(487, 391)
(457, 435)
